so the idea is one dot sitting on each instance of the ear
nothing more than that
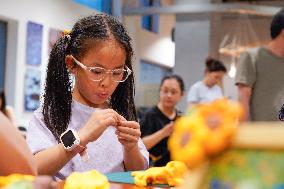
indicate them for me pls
(70, 63)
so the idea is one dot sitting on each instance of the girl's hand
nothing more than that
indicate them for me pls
(128, 133)
(97, 124)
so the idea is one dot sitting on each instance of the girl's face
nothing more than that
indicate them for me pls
(214, 78)
(170, 93)
(108, 55)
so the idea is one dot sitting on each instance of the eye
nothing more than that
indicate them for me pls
(98, 71)
(118, 72)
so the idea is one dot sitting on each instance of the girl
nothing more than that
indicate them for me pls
(98, 53)
(157, 124)
(208, 90)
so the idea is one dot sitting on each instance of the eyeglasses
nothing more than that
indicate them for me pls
(99, 73)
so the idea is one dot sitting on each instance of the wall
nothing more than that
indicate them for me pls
(57, 14)
(192, 46)
(157, 49)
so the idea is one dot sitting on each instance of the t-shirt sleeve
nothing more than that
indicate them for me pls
(38, 136)
(246, 72)
(192, 95)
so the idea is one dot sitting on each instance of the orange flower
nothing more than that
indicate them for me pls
(186, 142)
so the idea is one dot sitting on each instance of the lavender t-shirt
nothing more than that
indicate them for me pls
(106, 153)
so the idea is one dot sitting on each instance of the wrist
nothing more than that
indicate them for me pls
(130, 148)
(83, 137)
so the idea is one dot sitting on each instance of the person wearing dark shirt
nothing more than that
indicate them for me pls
(157, 123)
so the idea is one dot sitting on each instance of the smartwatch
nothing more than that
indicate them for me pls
(71, 140)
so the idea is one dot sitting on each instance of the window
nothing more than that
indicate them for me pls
(100, 5)
(150, 77)
(3, 43)
(150, 22)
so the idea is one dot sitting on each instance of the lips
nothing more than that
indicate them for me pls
(102, 95)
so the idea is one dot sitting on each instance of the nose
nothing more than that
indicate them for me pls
(106, 80)
(169, 94)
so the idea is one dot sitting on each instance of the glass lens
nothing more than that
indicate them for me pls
(119, 74)
(97, 73)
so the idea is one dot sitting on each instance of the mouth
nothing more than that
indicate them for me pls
(102, 95)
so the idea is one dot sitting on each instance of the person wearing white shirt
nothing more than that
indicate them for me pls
(208, 90)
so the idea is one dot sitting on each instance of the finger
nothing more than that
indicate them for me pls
(130, 124)
(109, 121)
(128, 137)
(131, 131)
(122, 141)
(113, 115)
(122, 118)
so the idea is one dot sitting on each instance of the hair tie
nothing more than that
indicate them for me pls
(66, 33)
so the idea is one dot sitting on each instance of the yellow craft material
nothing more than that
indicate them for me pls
(171, 174)
(7, 180)
(87, 180)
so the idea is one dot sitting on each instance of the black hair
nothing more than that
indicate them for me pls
(176, 77)
(277, 24)
(214, 65)
(281, 113)
(86, 33)
(3, 105)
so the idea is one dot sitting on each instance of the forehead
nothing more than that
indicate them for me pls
(217, 74)
(107, 53)
(170, 84)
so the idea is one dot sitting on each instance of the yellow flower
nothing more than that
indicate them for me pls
(186, 142)
(221, 117)
(205, 131)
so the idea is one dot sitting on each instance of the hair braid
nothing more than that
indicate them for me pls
(57, 97)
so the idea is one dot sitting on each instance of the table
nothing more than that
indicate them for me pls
(114, 185)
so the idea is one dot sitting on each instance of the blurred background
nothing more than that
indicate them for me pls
(169, 36)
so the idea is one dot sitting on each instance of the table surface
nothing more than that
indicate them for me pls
(114, 185)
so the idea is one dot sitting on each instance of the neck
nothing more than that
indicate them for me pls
(276, 46)
(207, 83)
(168, 111)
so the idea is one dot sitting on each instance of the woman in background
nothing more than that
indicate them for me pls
(6, 110)
(157, 123)
(208, 89)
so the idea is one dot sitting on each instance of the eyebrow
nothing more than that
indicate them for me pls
(99, 65)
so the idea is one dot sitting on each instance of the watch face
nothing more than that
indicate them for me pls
(68, 139)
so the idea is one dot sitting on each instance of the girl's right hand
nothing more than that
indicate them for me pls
(97, 124)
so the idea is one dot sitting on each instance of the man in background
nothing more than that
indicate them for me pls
(260, 78)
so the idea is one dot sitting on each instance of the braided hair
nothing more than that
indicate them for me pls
(85, 34)
(281, 113)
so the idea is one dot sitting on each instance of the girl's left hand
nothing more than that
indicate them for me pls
(128, 133)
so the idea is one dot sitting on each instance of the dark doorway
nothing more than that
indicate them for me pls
(3, 44)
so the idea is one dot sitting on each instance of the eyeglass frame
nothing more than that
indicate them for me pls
(89, 68)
